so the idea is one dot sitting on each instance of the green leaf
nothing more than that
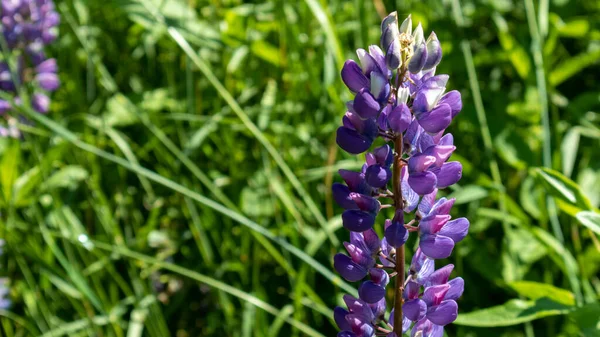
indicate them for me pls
(587, 319)
(572, 66)
(67, 177)
(590, 220)
(535, 291)
(9, 169)
(469, 194)
(512, 312)
(564, 188)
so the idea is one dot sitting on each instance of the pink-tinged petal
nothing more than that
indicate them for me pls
(353, 76)
(434, 295)
(379, 276)
(414, 309)
(447, 139)
(359, 255)
(444, 313)
(358, 307)
(412, 290)
(40, 103)
(456, 229)
(449, 174)
(441, 153)
(433, 223)
(420, 162)
(365, 203)
(436, 246)
(365, 104)
(348, 269)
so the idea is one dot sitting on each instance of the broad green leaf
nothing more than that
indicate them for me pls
(9, 169)
(572, 66)
(68, 176)
(590, 220)
(469, 194)
(587, 319)
(564, 188)
(536, 290)
(512, 312)
(568, 150)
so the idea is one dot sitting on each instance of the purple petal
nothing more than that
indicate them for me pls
(399, 118)
(357, 221)
(348, 269)
(434, 295)
(360, 326)
(411, 198)
(365, 203)
(379, 276)
(449, 174)
(434, 52)
(396, 235)
(380, 86)
(379, 57)
(457, 286)
(4, 106)
(359, 254)
(453, 99)
(371, 292)
(411, 291)
(392, 56)
(339, 315)
(48, 81)
(422, 182)
(432, 224)
(365, 104)
(355, 181)
(456, 229)
(437, 119)
(371, 240)
(441, 153)
(351, 141)
(443, 314)
(420, 162)
(418, 59)
(346, 333)
(414, 309)
(48, 66)
(440, 276)
(358, 307)
(378, 308)
(353, 76)
(40, 103)
(427, 203)
(448, 139)
(436, 246)
(341, 195)
(378, 176)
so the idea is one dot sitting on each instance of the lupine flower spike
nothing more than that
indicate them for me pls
(400, 99)
(27, 27)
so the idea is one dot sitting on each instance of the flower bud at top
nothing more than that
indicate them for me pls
(390, 41)
(406, 26)
(434, 52)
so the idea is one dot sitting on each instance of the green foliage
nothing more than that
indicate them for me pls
(180, 184)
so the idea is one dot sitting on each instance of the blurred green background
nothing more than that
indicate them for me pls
(180, 184)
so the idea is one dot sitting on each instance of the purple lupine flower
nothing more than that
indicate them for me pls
(400, 99)
(28, 26)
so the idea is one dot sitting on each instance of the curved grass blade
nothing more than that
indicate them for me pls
(210, 282)
(153, 176)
